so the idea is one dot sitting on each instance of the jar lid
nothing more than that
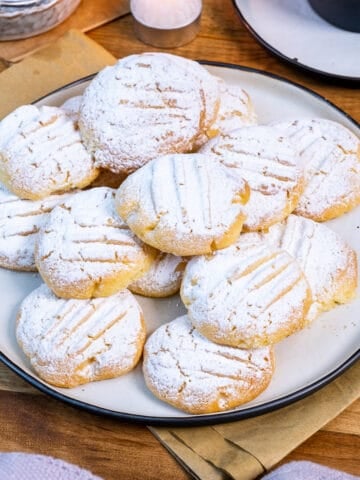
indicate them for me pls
(25, 18)
(19, 3)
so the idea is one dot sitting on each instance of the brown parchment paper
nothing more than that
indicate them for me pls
(71, 57)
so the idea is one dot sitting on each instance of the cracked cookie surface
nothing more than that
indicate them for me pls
(328, 262)
(72, 342)
(183, 368)
(236, 110)
(246, 296)
(85, 250)
(145, 106)
(41, 152)
(20, 222)
(269, 163)
(330, 156)
(162, 279)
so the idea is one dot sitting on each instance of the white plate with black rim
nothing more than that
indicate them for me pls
(305, 361)
(295, 33)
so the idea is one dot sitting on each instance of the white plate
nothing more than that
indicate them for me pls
(305, 361)
(294, 32)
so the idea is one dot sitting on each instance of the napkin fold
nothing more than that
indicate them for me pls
(245, 449)
(240, 450)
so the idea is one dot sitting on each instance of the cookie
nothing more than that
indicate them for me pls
(209, 86)
(184, 369)
(85, 250)
(20, 221)
(183, 204)
(269, 163)
(328, 263)
(42, 153)
(330, 156)
(246, 297)
(72, 107)
(145, 106)
(236, 110)
(72, 342)
(163, 279)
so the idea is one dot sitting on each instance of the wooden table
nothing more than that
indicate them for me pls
(32, 422)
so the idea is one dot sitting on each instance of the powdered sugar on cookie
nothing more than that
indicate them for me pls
(163, 278)
(330, 156)
(20, 221)
(44, 154)
(248, 297)
(185, 369)
(72, 107)
(328, 263)
(85, 249)
(236, 110)
(183, 204)
(268, 162)
(71, 342)
(142, 107)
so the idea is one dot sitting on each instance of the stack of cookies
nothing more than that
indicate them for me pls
(156, 180)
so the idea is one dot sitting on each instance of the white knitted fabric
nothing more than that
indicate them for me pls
(307, 471)
(25, 466)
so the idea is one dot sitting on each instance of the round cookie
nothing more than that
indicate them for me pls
(145, 106)
(269, 163)
(85, 250)
(184, 204)
(42, 153)
(328, 263)
(236, 110)
(72, 342)
(330, 156)
(162, 279)
(184, 369)
(246, 297)
(20, 221)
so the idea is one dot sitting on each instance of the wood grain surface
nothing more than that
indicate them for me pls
(32, 422)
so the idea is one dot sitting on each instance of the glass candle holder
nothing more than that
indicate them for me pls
(166, 23)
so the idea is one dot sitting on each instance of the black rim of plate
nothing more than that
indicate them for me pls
(207, 419)
(346, 80)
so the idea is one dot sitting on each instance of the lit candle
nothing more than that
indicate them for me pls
(166, 23)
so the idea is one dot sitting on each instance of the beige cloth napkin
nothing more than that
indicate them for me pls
(240, 450)
(90, 14)
(245, 449)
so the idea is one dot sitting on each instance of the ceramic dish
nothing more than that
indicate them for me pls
(305, 361)
(295, 33)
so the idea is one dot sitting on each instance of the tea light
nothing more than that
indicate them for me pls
(166, 23)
